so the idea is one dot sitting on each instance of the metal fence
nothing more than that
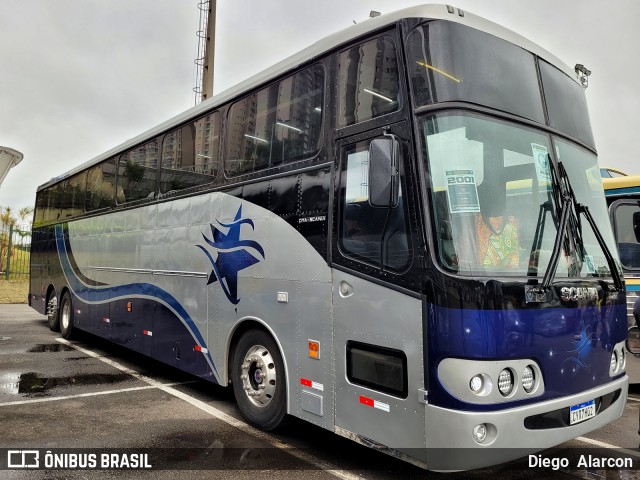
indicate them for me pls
(15, 251)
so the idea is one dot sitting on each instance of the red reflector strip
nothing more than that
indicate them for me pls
(198, 348)
(147, 332)
(311, 384)
(370, 402)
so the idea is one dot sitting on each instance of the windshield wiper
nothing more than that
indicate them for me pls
(564, 191)
(545, 208)
(561, 232)
(582, 209)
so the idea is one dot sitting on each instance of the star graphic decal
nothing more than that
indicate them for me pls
(233, 254)
(580, 355)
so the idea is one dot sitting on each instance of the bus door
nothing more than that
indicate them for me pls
(378, 341)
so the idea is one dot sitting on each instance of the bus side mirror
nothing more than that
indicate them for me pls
(383, 172)
(633, 340)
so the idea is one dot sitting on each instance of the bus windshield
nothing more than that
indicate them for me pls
(494, 206)
(449, 62)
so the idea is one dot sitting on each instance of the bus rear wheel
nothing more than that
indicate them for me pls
(258, 379)
(52, 312)
(65, 314)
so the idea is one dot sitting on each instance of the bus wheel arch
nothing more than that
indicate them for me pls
(65, 314)
(52, 308)
(258, 375)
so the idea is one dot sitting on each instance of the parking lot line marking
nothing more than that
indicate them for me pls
(633, 399)
(220, 415)
(80, 395)
(598, 443)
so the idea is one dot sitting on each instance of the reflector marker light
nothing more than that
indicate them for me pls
(370, 402)
(311, 384)
(147, 332)
(198, 348)
(314, 349)
(106, 320)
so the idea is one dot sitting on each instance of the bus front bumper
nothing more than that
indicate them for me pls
(516, 432)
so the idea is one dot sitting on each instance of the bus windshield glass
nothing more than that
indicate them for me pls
(451, 62)
(495, 211)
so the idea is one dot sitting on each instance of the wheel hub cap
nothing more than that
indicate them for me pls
(258, 376)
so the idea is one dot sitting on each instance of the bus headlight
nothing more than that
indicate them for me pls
(480, 433)
(481, 384)
(528, 379)
(476, 384)
(505, 382)
(487, 382)
(618, 361)
(614, 362)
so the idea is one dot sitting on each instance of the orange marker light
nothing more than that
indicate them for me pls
(314, 349)
(129, 306)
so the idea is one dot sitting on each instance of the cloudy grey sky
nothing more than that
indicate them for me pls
(78, 77)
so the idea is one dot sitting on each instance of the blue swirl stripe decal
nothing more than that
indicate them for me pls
(93, 295)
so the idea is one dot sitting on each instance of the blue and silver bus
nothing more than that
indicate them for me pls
(398, 234)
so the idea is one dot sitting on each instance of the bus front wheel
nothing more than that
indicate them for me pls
(258, 379)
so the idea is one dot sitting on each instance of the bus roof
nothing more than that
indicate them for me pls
(621, 186)
(321, 47)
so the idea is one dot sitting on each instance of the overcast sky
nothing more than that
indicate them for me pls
(78, 77)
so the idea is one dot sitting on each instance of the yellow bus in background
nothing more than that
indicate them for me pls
(623, 199)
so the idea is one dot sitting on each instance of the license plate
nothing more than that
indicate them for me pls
(580, 413)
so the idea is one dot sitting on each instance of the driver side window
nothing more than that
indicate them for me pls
(377, 236)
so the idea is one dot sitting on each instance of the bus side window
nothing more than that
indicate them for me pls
(277, 124)
(100, 189)
(137, 172)
(369, 85)
(363, 232)
(190, 155)
(72, 196)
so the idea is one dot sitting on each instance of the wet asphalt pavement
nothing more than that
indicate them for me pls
(91, 398)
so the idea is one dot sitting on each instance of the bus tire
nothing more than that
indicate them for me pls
(258, 379)
(65, 315)
(52, 312)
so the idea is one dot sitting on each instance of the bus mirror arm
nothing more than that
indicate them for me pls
(384, 171)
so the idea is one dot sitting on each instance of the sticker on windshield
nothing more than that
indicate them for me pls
(462, 191)
(588, 261)
(541, 160)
